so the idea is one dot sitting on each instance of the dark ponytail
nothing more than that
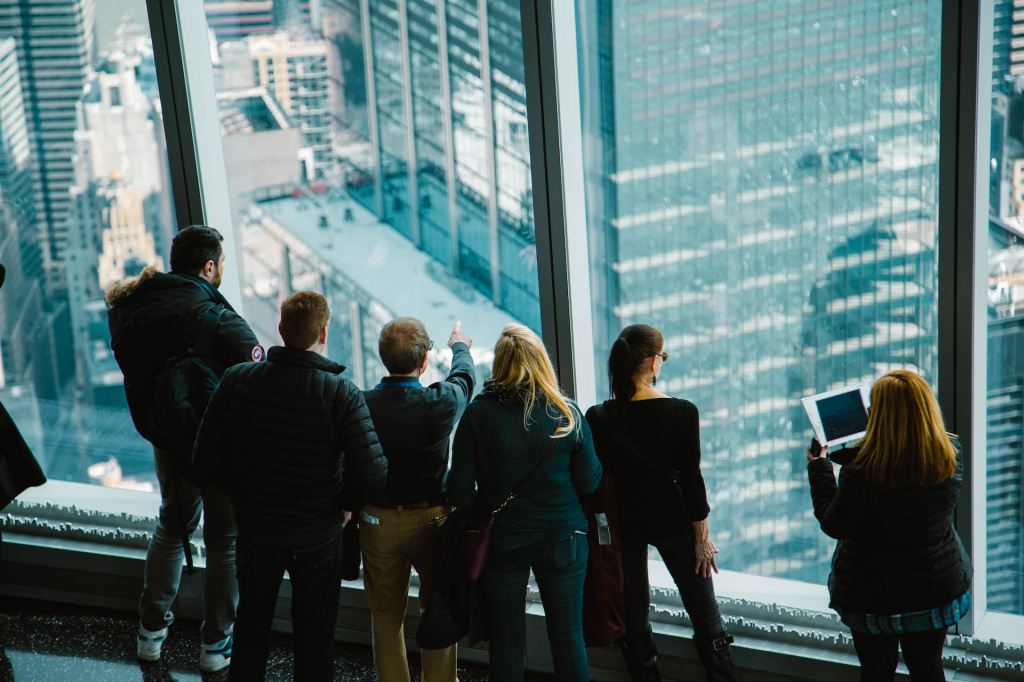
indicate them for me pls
(636, 343)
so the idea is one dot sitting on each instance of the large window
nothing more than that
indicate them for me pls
(762, 182)
(377, 152)
(84, 202)
(762, 185)
(1005, 423)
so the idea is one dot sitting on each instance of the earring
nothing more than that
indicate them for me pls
(654, 380)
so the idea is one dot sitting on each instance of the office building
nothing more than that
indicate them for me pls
(727, 192)
(261, 149)
(294, 239)
(294, 73)
(55, 43)
(435, 135)
(237, 19)
(15, 153)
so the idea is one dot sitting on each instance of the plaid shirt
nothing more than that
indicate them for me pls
(903, 623)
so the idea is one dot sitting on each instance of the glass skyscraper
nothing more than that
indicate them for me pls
(55, 43)
(762, 188)
(446, 158)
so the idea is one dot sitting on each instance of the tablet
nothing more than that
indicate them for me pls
(840, 416)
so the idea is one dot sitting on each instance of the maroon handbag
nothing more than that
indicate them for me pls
(604, 607)
(476, 543)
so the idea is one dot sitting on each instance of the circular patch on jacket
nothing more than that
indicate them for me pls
(257, 353)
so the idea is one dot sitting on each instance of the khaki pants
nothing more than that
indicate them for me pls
(403, 539)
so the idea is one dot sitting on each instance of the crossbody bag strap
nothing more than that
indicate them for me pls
(536, 467)
(618, 431)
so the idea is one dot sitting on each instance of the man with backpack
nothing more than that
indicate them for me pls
(173, 335)
(292, 442)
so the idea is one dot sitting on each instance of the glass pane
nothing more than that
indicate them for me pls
(85, 202)
(1005, 453)
(377, 152)
(762, 186)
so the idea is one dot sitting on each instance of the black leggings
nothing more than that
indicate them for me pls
(879, 654)
(698, 593)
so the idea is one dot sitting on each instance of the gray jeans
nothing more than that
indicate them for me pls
(181, 505)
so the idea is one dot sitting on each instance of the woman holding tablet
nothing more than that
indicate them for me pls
(900, 575)
(651, 445)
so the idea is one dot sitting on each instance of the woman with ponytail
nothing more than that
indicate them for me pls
(650, 443)
(519, 420)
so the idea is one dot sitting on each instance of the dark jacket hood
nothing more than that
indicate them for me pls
(155, 299)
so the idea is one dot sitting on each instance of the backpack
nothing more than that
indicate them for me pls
(183, 388)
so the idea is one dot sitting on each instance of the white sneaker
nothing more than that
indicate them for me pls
(216, 656)
(148, 643)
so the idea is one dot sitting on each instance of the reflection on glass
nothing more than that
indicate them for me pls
(761, 185)
(1005, 452)
(413, 198)
(84, 201)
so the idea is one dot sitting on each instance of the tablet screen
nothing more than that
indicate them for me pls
(842, 415)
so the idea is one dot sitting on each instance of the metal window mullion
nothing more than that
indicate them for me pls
(490, 151)
(965, 116)
(188, 99)
(556, 163)
(371, 108)
(177, 124)
(410, 120)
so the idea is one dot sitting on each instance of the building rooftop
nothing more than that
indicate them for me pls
(388, 267)
(249, 110)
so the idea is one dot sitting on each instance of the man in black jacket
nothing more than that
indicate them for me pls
(155, 317)
(397, 530)
(292, 442)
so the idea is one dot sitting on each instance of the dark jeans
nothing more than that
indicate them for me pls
(181, 505)
(879, 654)
(698, 593)
(315, 574)
(559, 567)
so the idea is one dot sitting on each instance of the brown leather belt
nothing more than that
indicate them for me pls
(424, 504)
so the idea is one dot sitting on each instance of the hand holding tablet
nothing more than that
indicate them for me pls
(840, 416)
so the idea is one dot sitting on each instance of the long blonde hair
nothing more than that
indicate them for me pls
(906, 441)
(521, 361)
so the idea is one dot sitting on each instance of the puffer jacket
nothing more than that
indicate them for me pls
(898, 549)
(146, 314)
(291, 441)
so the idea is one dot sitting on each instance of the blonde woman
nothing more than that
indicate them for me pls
(900, 575)
(505, 431)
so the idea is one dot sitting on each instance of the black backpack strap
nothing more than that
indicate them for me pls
(204, 336)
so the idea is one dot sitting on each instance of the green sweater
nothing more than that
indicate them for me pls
(493, 452)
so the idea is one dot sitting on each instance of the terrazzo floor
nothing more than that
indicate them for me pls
(43, 642)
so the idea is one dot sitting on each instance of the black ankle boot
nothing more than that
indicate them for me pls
(641, 657)
(714, 654)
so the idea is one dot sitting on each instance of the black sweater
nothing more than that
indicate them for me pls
(415, 424)
(650, 505)
(292, 442)
(898, 551)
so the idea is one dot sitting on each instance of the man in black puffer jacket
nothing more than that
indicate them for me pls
(292, 442)
(152, 318)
